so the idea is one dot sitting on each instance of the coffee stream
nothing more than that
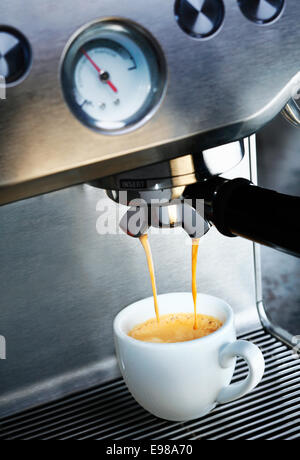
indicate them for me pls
(146, 245)
(195, 249)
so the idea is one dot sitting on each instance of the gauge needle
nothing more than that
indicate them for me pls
(100, 72)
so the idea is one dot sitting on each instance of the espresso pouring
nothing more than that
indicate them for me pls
(172, 328)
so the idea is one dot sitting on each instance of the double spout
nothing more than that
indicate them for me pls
(138, 219)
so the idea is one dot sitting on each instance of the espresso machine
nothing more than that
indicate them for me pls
(116, 109)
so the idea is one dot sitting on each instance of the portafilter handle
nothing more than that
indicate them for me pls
(239, 208)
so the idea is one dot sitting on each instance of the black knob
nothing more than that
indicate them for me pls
(261, 11)
(15, 55)
(200, 18)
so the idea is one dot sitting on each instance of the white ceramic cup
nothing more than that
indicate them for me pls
(186, 380)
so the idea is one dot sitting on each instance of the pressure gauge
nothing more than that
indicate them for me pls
(113, 76)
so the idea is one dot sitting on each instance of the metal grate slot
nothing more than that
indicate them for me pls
(270, 412)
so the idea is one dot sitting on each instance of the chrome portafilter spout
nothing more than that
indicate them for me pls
(180, 215)
(138, 219)
(135, 222)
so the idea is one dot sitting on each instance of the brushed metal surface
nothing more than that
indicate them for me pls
(62, 284)
(219, 90)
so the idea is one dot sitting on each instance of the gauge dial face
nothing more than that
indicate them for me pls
(113, 76)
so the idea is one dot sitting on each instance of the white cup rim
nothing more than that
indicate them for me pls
(120, 333)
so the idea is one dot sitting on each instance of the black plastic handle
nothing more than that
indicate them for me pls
(238, 208)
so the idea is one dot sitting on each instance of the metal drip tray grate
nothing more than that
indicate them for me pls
(271, 411)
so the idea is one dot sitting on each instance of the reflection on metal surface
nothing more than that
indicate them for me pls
(262, 11)
(138, 219)
(15, 56)
(200, 19)
(291, 113)
(2, 347)
(167, 180)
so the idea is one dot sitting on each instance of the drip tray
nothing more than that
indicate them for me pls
(271, 411)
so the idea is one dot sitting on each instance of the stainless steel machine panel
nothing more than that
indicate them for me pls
(219, 89)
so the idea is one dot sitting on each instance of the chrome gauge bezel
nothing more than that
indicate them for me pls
(153, 53)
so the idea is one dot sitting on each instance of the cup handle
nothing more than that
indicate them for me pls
(255, 360)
